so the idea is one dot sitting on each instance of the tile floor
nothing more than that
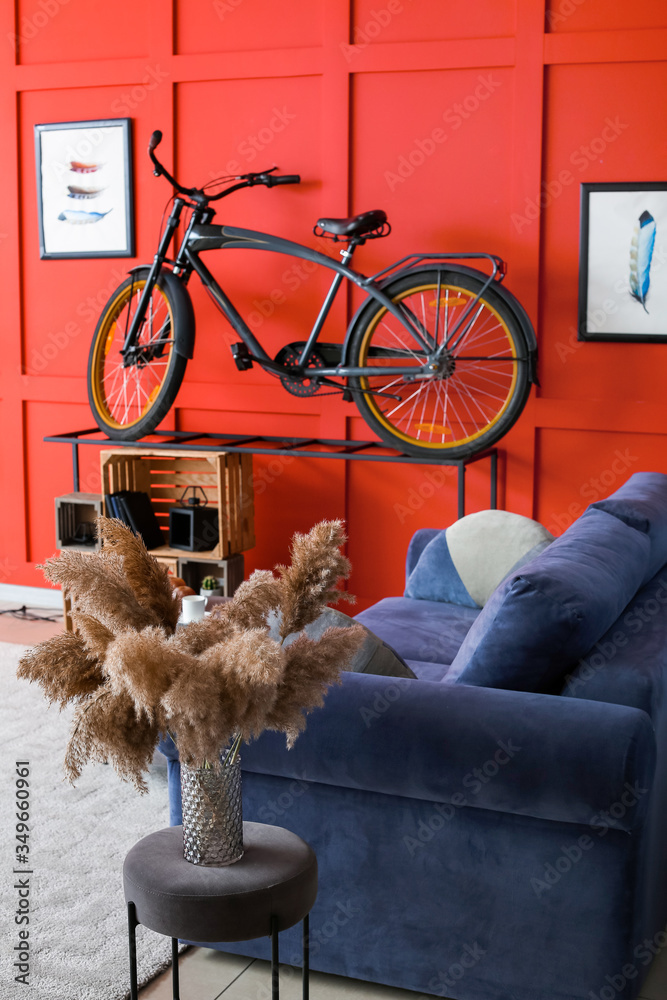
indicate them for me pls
(207, 974)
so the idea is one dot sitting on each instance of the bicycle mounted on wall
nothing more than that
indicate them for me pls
(439, 358)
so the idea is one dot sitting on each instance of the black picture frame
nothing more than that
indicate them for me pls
(84, 175)
(621, 296)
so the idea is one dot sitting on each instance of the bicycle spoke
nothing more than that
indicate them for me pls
(477, 378)
(128, 390)
(401, 342)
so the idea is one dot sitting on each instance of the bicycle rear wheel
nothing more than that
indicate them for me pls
(479, 391)
(129, 401)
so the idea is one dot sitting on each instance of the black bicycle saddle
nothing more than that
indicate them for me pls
(356, 225)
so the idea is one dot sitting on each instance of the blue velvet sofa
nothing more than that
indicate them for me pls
(494, 837)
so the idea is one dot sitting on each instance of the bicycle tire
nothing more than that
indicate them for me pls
(473, 416)
(158, 377)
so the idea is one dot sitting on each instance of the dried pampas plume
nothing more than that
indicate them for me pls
(63, 667)
(310, 581)
(147, 578)
(134, 677)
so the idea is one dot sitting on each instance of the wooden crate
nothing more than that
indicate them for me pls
(225, 478)
(73, 510)
(170, 563)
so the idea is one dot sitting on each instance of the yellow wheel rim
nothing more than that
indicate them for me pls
(458, 409)
(123, 396)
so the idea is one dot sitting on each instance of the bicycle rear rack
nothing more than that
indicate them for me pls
(498, 265)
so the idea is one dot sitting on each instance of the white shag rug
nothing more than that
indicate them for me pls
(78, 840)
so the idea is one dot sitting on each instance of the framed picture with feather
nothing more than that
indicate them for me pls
(623, 253)
(85, 188)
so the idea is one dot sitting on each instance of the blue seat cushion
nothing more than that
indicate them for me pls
(426, 631)
(547, 615)
(641, 502)
(428, 671)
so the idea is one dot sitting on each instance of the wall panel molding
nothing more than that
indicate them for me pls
(360, 105)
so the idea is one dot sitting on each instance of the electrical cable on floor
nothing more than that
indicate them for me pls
(28, 614)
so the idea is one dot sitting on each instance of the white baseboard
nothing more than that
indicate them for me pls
(32, 597)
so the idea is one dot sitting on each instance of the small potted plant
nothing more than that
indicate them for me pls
(210, 587)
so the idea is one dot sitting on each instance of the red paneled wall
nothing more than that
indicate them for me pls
(343, 92)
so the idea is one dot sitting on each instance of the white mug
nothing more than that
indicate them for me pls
(192, 608)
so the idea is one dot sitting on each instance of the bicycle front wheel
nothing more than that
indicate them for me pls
(481, 385)
(128, 401)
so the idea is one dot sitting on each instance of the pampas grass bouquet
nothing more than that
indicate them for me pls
(133, 676)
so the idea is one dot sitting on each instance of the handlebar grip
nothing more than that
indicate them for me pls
(154, 140)
(286, 179)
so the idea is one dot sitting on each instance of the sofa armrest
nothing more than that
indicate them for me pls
(529, 754)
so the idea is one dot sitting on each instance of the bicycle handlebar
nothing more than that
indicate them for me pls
(283, 179)
(266, 177)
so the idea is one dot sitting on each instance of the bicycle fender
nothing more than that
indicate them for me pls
(184, 314)
(504, 293)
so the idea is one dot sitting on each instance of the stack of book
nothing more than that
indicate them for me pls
(133, 508)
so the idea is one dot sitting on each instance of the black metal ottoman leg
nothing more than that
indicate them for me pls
(131, 925)
(174, 968)
(275, 967)
(306, 958)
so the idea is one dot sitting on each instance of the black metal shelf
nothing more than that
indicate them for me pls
(260, 444)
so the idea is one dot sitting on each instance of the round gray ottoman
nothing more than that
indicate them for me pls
(272, 887)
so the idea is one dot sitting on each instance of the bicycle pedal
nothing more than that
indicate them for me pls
(241, 356)
(347, 395)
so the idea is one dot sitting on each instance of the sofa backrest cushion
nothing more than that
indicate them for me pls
(465, 563)
(641, 502)
(626, 666)
(374, 656)
(546, 616)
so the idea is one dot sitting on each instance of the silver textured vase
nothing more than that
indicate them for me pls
(212, 815)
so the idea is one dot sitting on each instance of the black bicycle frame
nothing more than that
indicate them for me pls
(201, 236)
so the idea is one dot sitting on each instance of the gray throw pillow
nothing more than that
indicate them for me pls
(374, 656)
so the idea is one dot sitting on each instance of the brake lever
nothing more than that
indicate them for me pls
(253, 177)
